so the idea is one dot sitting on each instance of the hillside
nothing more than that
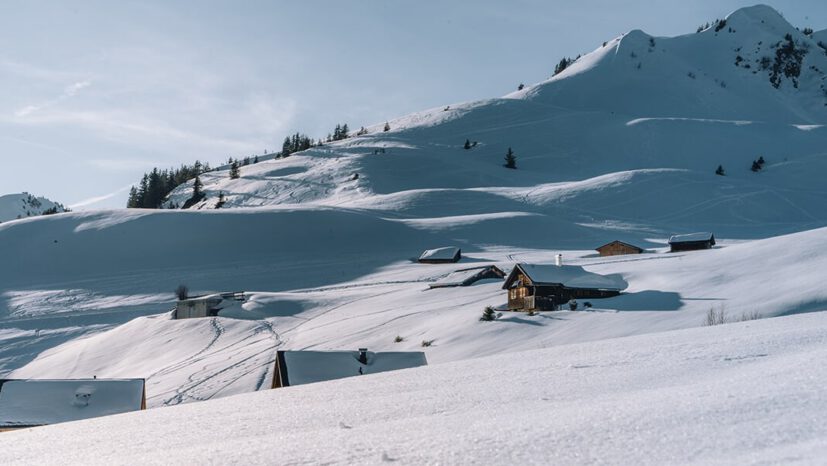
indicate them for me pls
(747, 393)
(623, 144)
(23, 205)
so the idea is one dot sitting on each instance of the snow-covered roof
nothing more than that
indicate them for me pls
(42, 402)
(446, 253)
(303, 367)
(690, 237)
(463, 277)
(571, 276)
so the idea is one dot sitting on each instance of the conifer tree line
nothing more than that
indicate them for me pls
(156, 185)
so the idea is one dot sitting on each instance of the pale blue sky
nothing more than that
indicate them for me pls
(97, 92)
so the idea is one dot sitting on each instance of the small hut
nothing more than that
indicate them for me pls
(303, 367)
(444, 255)
(691, 242)
(204, 306)
(467, 277)
(618, 248)
(544, 287)
(32, 402)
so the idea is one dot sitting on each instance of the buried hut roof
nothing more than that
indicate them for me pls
(691, 237)
(570, 276)
(469, 276)
(440, 254)
(27, 403)
(302, 367)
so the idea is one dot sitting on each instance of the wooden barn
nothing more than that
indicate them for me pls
(467, 277)
(691, 242)
(445, 255)
(618, 248)
(32, 402)
(303, 367)
(545, 287)
(204, 306)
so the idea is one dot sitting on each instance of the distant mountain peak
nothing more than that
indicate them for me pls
(23, 205)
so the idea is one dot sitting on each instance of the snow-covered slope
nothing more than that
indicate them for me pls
(15, 206)
(746, 393)
(605, 150)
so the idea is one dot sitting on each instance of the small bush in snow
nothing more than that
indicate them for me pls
(488, 314)
(720, 171)
(521, 87)
(715, 317)
(587, 305)
(182, 292)
(752, 315)
(467, 144)
(427, 343)
(387, 127)
(398, 339)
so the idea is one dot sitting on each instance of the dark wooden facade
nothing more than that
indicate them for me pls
(618, 248)
(676, 246)
(524, 294)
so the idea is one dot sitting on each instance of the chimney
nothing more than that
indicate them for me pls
(558, 260)
(363, 355)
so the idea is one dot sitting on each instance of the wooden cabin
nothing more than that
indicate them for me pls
(467, 277)
(618, 248)
(303, 367)
(444, 255)
(544, 287)
(204, 306)
(38, 402)
(691, 242)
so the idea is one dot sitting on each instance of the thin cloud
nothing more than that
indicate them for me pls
(99, 199)
(68, 92)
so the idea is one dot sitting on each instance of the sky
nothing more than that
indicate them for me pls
(95, 93)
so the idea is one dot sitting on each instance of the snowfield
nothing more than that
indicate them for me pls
(622, 145)
(744, 393)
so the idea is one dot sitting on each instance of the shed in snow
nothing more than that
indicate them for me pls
(301, 367)
(618, 248)
(441, 255)
(544, 287)
(32, 402)
(204, 306)
(466, 277)
(691, 242)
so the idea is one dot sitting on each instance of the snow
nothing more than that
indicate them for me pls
(42, 402)
(572, 276)
(744, 393)
(305, 367)
(690, 237)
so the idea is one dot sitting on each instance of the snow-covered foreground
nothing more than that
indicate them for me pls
(745, 393)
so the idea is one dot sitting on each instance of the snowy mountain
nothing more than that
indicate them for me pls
(16, 206)
(623, 144)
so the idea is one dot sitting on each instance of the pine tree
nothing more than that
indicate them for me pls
(387, 127)
(720, 171)
(521, 87)
(197, 186)
(234, 174)
(345, 131)
(221, 200)
(756, 167)
(467, 144)
(255, 160)
(761, 161)
(510, 159)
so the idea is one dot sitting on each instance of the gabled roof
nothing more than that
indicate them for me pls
(692, 237)
(467, 277)
(619, 242)
(570, 276)
(25, 403)
(441, 254)
(301, 367)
